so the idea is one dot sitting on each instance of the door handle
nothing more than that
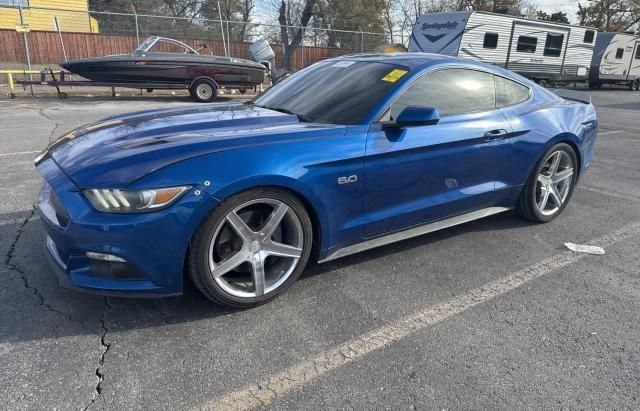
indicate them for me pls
(494, 135)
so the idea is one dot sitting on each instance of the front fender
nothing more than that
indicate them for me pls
(309, 167)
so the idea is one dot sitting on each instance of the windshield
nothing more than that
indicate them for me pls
(338, 92)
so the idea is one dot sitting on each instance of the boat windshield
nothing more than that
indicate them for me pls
(155, 44)
(335, 91)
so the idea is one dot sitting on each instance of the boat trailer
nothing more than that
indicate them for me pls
(63, 80)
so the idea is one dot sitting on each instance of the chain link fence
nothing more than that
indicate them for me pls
(89, 34)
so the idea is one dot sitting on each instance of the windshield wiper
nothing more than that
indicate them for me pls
(301, 117)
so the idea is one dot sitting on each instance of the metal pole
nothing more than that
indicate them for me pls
(228, 38)
(135, 16)
(56, 23)
(302, 50)
(362, 42)
(224, 44)
(26, 48)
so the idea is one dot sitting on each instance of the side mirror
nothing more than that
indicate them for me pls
(417, 116)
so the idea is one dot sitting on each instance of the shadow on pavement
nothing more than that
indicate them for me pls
(27, 262)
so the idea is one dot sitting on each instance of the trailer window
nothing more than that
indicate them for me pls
(450, 91)
(638, 53)
(509, 93)
(619, 53)
(527, 44)
(589, 35)
(553, 45)
(490, 40)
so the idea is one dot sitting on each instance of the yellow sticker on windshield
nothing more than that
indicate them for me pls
(394, 75)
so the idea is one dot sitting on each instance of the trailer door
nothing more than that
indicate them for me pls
(634, 65)
(538, 50)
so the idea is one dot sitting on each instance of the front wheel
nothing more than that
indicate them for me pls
(550, 186)
(251, 248)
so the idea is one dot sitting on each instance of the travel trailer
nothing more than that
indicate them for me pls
(546, 52)
(616, 60)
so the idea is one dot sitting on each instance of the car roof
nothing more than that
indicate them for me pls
(419, 61)
(410, 60)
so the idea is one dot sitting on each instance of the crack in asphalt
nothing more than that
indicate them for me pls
(106, 346)
(8, 262)
(56, 124)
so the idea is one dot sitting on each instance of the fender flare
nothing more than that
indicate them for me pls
(308, 197)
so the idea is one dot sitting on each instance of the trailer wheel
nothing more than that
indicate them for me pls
(149, 90)
(203, 90)
(634, 85)
(543, 83)
(595, 85)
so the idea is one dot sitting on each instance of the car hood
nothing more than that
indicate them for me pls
(118, 150)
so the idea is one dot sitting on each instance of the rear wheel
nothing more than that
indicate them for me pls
(203, 90)
(550, 186)
(251, 248)
(634, 85)
(543, 83)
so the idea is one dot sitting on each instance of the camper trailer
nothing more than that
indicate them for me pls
(616, 60)
(543, 51)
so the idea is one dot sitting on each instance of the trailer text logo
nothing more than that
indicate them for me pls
(450, 25)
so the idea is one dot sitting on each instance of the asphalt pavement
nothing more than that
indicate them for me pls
(491, 314)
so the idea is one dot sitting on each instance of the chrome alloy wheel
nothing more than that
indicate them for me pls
(554, 183)
(255, 248)
(204, 91)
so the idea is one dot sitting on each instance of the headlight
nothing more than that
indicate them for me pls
(133, 201)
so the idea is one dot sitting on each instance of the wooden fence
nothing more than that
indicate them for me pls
(45, 48)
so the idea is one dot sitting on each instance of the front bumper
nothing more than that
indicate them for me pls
(154, 245)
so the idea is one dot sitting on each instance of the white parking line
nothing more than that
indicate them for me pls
(610, 132)
(628, 129)
(11, 221)
(608, 193)
(296, 377)
(19, 153)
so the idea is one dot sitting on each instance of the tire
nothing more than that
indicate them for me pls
(203, 90)
(543, 83)
(231, 280)
(634, 85)
(595, 85)
(532, 196)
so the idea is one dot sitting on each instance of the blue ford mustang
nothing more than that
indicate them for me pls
(345, 155)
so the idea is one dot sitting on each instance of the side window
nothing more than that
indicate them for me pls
(490, 40)
(588, 36)
(553, 45)
(619, 53)
(450, 91)
(509, 92)
(638, 52)
(527, 44)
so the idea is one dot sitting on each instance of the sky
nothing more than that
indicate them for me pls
(566, 6)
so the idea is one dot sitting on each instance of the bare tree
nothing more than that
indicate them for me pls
(610, 15)
(293, 19)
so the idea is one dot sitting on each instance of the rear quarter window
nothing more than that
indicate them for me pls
(509, 93)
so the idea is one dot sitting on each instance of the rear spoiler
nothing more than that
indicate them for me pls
(573, 95)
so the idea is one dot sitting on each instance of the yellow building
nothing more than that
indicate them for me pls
(73, 15)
